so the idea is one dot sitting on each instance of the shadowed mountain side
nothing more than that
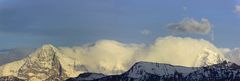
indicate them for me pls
(147, 71)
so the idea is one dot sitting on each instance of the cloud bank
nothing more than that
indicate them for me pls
(190, 25)
(111, 57)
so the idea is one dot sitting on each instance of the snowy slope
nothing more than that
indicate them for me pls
(141, 68)
(11, 69)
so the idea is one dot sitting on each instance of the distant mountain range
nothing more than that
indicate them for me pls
(48, 63)
(147, 71)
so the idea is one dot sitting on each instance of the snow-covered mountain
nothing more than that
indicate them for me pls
(46, 63)
(43, 65)
(147, 71)
(141, 68)
(142, 71)
(137, 71)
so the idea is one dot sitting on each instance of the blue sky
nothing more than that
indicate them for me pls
(31, 23)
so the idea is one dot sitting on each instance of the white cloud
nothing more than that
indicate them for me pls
(106, 56)
(237, 9)
(165, 50)
(146, 32)
(190, 25)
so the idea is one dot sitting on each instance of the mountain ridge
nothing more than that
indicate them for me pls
(225, 71)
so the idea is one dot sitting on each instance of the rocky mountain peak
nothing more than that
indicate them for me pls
(45, 53)
(43, 65)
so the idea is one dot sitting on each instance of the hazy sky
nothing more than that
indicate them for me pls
(31, 23)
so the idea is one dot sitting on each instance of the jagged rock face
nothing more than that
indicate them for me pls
(43, 65)
(10, 78)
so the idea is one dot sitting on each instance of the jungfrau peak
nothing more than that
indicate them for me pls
(209, 57)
